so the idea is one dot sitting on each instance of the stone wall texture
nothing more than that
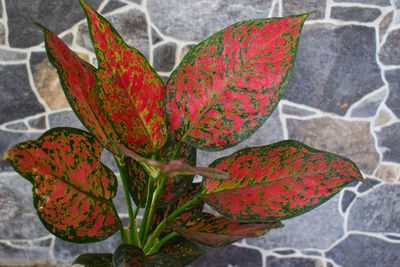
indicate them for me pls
(344, 97)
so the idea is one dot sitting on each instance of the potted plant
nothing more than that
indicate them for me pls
(223, 90)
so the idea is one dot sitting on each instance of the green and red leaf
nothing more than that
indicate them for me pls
(129, 255)
(277, 181)
(137, 180)
(226, 87)
(72, 189)
(95, 260)
(214, 231)
(77, 79)
(130, 92)
(184, 250)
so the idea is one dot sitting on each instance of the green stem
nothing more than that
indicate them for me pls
(170, 217)
(123, 235)
(154, 202)
(133, 234)
(146, 210)
(131, 227)
(158, 245)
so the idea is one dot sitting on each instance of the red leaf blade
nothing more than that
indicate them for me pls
(227, 86)
(277, 181)
(218, 231)
(72, 190)
(130, 92)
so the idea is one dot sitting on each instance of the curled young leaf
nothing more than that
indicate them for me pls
(129, 91)
(277, 181)
(227, 86)
(184, 250)
(214, 231)
(72, 189)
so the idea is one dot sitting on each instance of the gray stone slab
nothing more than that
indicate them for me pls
(389, 53)
(270, 132)
(38, 123)
(393, 101)
(228, 256)
(17, 98)
(9, 55)
(155, 37)
(297, 111)
(294, 7)
(18, 217)
(359, 14)
(194, 20)
(348, 197)
(378, 211)
(384, 24)
(365, 251)
(374, 2)
(389, 143)
(351, 139)
(131, 25)
(364, 188)
(293, 261)
(332, 70)
(24, 34)
(164, 57)
(368, 106)
(65, 118)
(17, 126)
(9, 139)
(317, 229)
(14, 256)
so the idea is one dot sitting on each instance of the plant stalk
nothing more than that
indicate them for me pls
(146, 210)
(132, 228)
(158, 245)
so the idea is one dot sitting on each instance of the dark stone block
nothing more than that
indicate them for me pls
(66, 118)
(9, 139)
(285, 251)
(377, 211)
(155, 37)
(374, 2)
(194, 20)
(393, 101)
(293, 261)
(389, 53)
(311, 253)
(24, 34)
(2, 34)
(332, 70)
(112, 5)
(17, 98)
(384, 24)
(363, 187)
(18, 218)
(164, 57)
(361, 14)
(68, 38)
(228, 256)
(348, 197)
(366, 251)
(293, 7)
(389, 142)
(136, 1)
(9, 55)
(38, 123)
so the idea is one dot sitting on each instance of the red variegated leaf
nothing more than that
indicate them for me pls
(72, 190)
(131, 256)
(130, 92)
(277, 181)
(226, 87)
(218, 231)
(94, 260)
(137, 180)
(184, 250)
(77, 78)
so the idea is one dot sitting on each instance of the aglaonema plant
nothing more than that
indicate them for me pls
(224, 89)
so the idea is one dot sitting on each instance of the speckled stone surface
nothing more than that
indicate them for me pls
(344, 97)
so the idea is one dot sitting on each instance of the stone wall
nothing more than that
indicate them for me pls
(344, 97)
